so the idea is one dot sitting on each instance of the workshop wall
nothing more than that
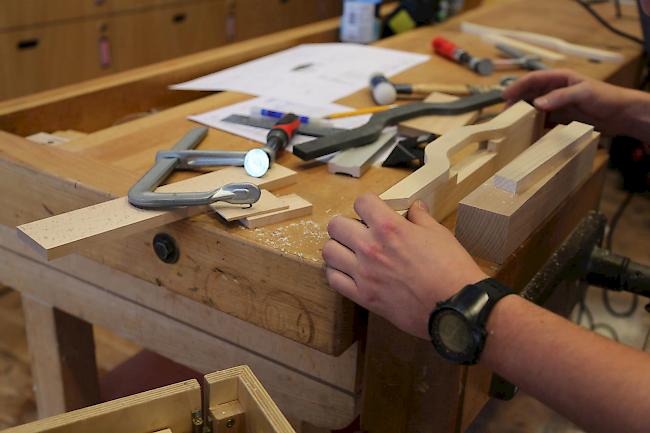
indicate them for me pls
(49, 43)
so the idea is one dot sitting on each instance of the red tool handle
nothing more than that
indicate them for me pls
(444, 47)
(282, 132)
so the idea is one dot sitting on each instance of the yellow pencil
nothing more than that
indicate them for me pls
(360, 111)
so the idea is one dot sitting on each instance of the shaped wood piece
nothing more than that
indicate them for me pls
(461, 160)
(65, 233)
(357, 160)
(503, 212)
(436, 124)
(266, 204)
(545, 41)
(296, 207)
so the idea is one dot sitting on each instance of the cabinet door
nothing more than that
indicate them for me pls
(255, 18)
(168, 32)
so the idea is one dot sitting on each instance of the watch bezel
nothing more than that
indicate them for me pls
(477, 337)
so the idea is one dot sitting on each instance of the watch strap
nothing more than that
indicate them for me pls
(495, 291)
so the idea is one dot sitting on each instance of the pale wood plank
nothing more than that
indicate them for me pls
(169, 407)
(542, 157)
(296, 208)
(268, 203)
(63, 234)
(494, 39)
(437, 124)
(442, 186)
(62, 352)
(492, 222)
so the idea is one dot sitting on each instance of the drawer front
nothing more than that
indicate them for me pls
(51, 56)
(26, 13)
(168, 32)
(254, 18)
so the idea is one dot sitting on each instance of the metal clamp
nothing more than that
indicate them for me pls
(142, 194)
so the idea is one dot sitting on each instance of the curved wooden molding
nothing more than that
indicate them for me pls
(545, 41)
(441, 185)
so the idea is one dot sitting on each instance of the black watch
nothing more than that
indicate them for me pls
(457, 326)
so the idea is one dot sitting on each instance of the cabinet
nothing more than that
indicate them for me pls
(49, 43)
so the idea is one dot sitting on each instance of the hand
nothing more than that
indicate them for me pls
(569, 96)
(395, 267)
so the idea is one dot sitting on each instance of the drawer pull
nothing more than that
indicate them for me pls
(179, 18)
(27, 44)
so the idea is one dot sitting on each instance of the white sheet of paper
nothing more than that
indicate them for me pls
(214, 118)
(309, 73)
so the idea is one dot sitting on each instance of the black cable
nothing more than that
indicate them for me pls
(607, 25)
(608, 244)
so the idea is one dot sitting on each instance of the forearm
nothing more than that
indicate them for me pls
(601, 385)
(634, 115)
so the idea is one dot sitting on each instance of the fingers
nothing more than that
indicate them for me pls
(419, 214)
(348, 232)
(561, 98)
(538, 83)
(339, 257)
(374, 211)
(343, 284)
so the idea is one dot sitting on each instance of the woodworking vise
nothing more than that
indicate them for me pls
(181, 157)
(580, 258)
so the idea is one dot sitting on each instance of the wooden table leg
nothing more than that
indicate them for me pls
(408, 387)
(64, 367)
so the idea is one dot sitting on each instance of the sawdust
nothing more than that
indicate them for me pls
(302, 238)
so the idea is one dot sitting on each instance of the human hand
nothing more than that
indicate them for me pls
(395, 267)
(567, 96)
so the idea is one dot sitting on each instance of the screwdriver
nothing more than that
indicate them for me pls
(258, 161)
(451, 51)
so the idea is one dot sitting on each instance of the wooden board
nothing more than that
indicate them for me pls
(547, 41)
(530, 49)
(239, 384)
(296, 207)
(356, 161)
(65, 233)
(493, 222)
(442, 186)
(168, 407)
(436, 124)
(268, 203)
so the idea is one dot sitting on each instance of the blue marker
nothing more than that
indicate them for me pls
(264, 112)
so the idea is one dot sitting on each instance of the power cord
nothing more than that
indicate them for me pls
(587, 6)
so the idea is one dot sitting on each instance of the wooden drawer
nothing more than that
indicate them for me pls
(171, 31)
(50, 56)
(29, 13)
(235, 402)
(255, 18)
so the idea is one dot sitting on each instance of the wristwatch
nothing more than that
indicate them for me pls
(457, 326)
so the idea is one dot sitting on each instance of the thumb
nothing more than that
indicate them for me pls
(559, 98)
(419, 215)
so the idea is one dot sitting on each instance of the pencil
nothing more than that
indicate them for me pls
(360, 111)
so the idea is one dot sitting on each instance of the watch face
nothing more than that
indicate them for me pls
(454, 332)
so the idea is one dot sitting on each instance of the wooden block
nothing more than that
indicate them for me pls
(63, 234)
(228, 418)
(266, 204)
(546, 41)
(483, 148)
(436, 124)
(357, 160)
(296, 207)
(535, 163)
(240, 384)
(493, 222)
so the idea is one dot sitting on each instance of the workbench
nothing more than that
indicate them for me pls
(255, 297)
